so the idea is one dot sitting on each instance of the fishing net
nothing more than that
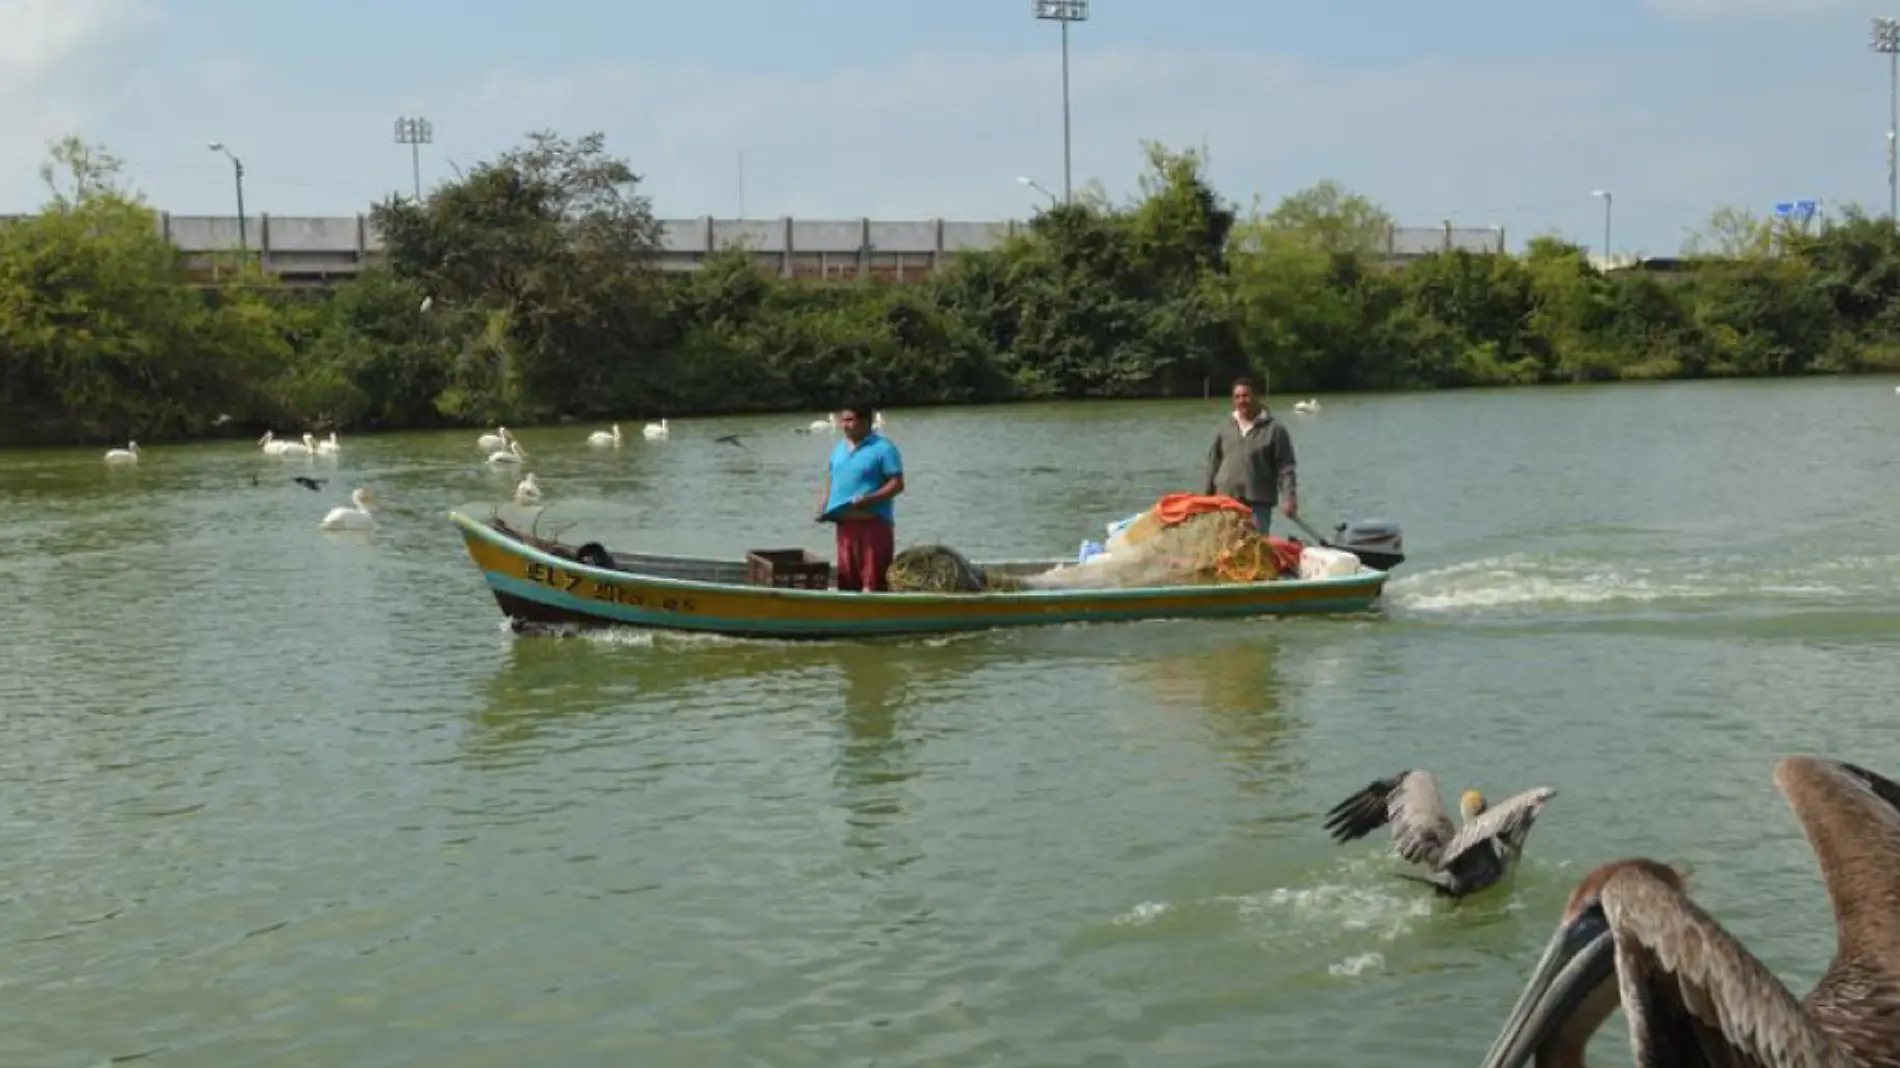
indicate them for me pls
(1207, 547)
(941, 569)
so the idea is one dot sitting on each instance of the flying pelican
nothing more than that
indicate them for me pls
(498, 440)
(602, 439)
(655, 431)
(127, 455)
(1462, 861)
(353, 518)
(1692, 993)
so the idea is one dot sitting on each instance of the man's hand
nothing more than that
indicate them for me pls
(1292, 508)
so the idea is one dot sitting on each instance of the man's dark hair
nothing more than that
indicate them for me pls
(864, 412)
(1244, 380)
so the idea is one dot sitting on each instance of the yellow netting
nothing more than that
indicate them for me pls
(1210, 547)
(941, 569)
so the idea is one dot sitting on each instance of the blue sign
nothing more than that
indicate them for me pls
(1798, 210)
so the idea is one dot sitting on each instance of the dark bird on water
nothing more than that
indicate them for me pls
(1691, 993)
(311, 484)
(730, 439)
(1461, 860)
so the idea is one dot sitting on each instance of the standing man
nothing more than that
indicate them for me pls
(866, 473)
(1252, 459)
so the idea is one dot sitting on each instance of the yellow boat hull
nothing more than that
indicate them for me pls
(536, 587)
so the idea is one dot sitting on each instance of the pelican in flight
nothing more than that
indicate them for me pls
(1692, 994)
(1461, 860)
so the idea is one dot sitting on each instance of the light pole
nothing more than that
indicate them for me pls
(1886, 40)
(415, 132)
(1064, 12)
(237, 171)
(1037, 186)
(1608, 200)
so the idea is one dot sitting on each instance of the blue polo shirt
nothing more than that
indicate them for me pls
(859, 471)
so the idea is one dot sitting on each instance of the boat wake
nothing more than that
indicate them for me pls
(1535, 583)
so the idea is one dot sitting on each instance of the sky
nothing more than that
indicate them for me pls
(1480, 112)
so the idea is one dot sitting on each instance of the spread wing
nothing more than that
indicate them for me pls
(1409, 801)
(1852, 820)
(1509, 822)
(1693, 995)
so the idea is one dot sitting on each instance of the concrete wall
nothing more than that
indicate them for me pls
(316, 249)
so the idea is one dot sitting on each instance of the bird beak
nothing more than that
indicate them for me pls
(1579, 959)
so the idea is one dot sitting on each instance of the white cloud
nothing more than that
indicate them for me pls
(49, 51)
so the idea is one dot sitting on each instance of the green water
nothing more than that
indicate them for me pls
(278, 796)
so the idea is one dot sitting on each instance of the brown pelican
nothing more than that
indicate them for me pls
(1461, 860)
(1693, 995)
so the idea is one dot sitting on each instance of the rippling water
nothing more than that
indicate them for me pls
(288, 797)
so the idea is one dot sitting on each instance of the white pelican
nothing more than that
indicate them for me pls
(655, 431)
(829, 422)
(270, 444)
(306, 447)
(1307, 407)
(1692, 994)
(329, 446)
(127, 455)
(498, 440)
(1462, 861)
(527, 490)
(877, 420)
(511, 455)
(602, 439)
(354, 518)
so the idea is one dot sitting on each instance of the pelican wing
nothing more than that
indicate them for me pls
(1852, 820)
(1507, 822)
(1410, 802)
(1692, 994)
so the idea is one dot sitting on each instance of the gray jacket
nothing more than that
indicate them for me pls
(1257, 468)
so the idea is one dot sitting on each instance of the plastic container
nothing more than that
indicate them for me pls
(1320, 562)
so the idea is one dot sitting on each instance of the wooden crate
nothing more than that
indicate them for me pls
(793, 569)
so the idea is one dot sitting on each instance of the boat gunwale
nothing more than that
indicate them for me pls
(1346, 584)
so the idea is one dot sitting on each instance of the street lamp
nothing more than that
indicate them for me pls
(237, 171)
(1037, 186)
(1886, 40)
(1608, 200)
(415, 132)
(1064, 12)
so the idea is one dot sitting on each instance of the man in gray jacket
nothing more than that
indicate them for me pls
(1252, 459)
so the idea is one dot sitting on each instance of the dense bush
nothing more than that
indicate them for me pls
(525, 291)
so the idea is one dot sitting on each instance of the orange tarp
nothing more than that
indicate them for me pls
(1176, 507)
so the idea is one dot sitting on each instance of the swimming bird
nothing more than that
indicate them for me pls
(329, 446)
(353, 518)
(498, 440)
(729, 439)
(1691, 993)
(513, 454)
(655, 431)
(601, 439)
(270, 445)
(1461, 861)
(305, 447)
(829, 422)
(127, 455)
(1307, 407)
(311, 484)
(527, 490)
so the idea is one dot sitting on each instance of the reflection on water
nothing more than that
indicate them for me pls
(1233, 689)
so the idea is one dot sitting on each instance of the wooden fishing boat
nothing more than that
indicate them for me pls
(540, 582)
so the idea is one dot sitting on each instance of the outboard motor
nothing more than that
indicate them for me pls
(1376, 542)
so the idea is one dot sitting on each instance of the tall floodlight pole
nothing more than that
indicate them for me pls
(1064, 12)
(1886, 40)
(415, 132)
(1608, 200)
(237, 171)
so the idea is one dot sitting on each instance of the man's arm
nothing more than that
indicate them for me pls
(892, 468)
(1288, 471)
(1213, 465)
(824, 493)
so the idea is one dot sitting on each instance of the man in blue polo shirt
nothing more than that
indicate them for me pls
(866, 473)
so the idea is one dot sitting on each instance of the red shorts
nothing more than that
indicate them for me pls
(865, 548)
